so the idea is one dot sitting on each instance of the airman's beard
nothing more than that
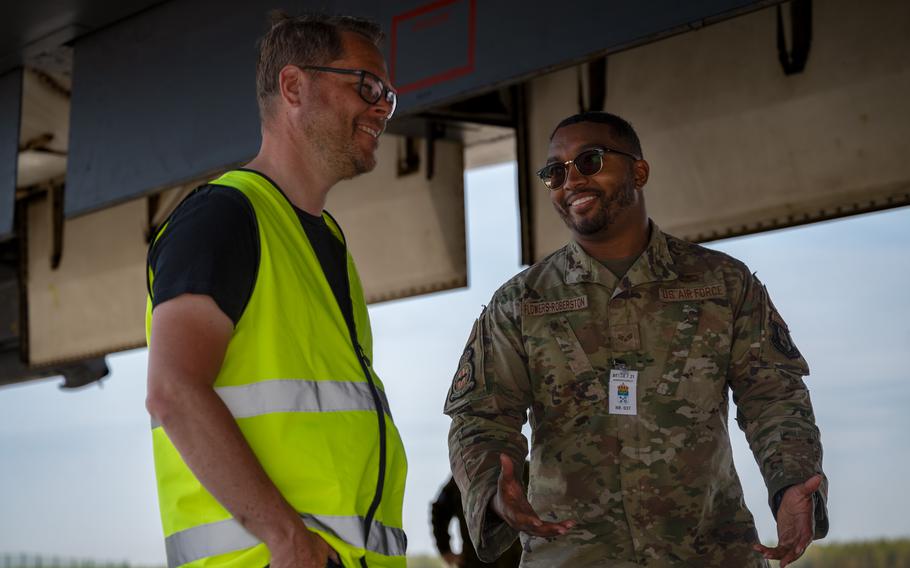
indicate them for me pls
(604, 216)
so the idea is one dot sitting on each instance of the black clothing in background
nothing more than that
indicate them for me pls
(448, 505)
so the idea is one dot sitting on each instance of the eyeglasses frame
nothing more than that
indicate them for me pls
(387, 93)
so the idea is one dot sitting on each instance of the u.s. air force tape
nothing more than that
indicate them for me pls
(707, 292)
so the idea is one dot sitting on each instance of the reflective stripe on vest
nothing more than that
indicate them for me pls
(227, 536)
(297, 395)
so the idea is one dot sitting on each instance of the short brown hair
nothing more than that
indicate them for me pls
(308, 39)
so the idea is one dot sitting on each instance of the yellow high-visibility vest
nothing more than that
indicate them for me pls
(301, 386)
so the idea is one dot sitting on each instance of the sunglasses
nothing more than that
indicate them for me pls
(370, 88)
(587, 163)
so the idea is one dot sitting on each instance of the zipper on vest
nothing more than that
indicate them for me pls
(377, 401)
(380, 481)
(380, 413)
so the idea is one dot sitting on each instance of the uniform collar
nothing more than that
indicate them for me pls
(654, 265)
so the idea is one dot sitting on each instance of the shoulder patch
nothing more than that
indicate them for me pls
(707, 292)
(555, 306)
(780, 333)
(781, 340)
(463, 382)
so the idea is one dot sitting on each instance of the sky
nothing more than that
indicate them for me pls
(76, 473)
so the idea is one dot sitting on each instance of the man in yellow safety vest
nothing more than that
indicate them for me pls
(273, 440)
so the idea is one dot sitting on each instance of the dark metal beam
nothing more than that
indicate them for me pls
(10, 116)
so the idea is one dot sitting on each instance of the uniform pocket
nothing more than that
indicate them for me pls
(704, 373)
(576, 381)
(693, 369)
(571, 348)
(681, 329)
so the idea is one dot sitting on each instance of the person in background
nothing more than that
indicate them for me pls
(448, 506)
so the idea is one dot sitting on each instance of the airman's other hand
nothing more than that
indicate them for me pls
(512, 506)
(795, 523)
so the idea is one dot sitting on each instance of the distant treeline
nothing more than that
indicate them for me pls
(21, 560)
(867, 554)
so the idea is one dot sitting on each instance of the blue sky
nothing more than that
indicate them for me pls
(77, 481)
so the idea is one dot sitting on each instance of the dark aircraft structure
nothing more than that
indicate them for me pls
(757, 115)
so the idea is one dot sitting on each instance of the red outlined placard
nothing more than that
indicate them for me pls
(427, 23)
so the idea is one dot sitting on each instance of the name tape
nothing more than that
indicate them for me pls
(555, 306)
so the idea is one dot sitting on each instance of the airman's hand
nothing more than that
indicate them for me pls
(795, 523)
(512, 506)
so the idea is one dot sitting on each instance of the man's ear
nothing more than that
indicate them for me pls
(640, 171)
(292, 85)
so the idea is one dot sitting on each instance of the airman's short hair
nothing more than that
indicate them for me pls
(620, 127)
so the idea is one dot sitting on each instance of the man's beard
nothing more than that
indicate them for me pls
(338, 150)
(350, 160)
(603, 216)
(361, 163)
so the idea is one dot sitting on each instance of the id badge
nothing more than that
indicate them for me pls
(623, 392)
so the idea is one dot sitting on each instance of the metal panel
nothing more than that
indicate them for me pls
(10, 112)
(407, 233)
(453, 48)
(93, 303)
(735, 145)
(75, 374)
(168, 94)
(44, 131)
(160, 99)
(27, 29)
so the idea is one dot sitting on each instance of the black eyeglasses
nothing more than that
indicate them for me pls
(371, 88)
(587, 163)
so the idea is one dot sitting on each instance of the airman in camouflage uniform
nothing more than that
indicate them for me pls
(630, 470)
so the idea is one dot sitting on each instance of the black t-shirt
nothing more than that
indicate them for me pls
(211, 247)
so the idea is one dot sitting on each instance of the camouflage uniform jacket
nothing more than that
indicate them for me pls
(653, 489)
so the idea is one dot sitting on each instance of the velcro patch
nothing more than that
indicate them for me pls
(463, 382)
(780, 338)
(555, 306)
(780, 333)
(708, 292)
(625, 337)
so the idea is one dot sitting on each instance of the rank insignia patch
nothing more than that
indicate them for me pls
(625, 337)
(463, 382)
